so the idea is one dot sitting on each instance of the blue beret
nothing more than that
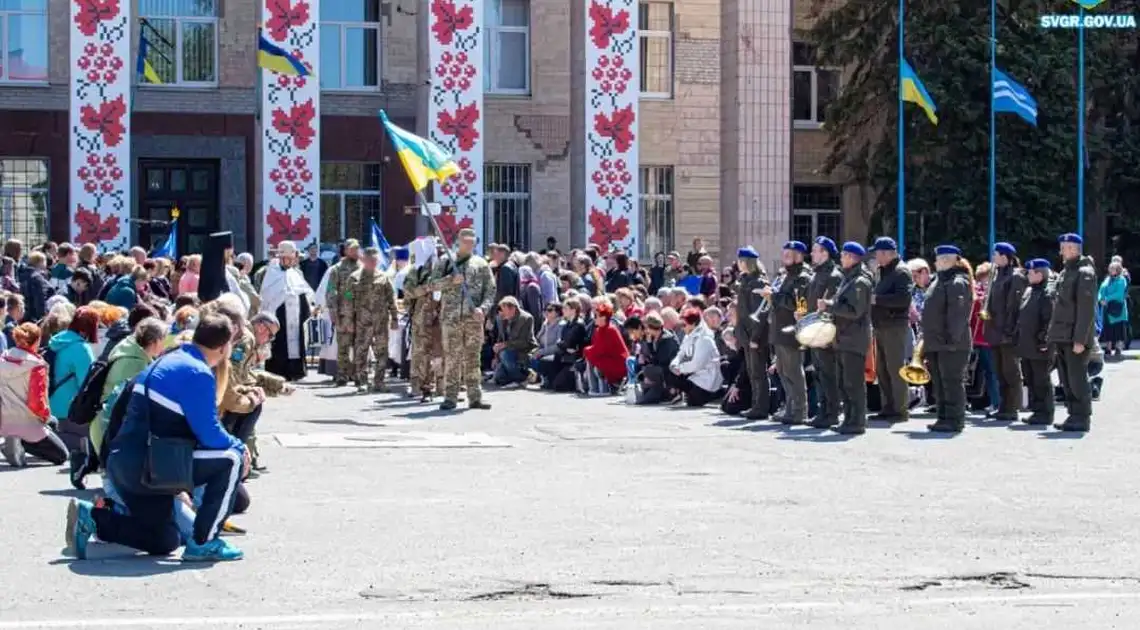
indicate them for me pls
(747, 252)
(947, 250)
(827, 244)
(851, 247)
(1038, 263)
(401, 253)
(885, 244)
(1071, 238)
(796, 246)
(1005, 249)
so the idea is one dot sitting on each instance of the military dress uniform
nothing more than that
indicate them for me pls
(890, 317)
(1000, 331)
(825, 281)
(427, 336)
(244, 376)
(753, 331)
(1073, 322)
(1032, 343)
(789, 357)
(340, 313)
(371, 300)
(948, 342)
(466, 284)
(851, 313)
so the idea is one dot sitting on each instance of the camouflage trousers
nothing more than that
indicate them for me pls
(344, 367)
(462, 345)
(427, 347)
(365, 337)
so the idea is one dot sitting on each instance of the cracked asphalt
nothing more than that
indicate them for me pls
(593, 514)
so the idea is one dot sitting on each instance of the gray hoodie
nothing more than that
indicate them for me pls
(548, 336)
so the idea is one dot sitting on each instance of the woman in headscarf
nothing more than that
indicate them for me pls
(530, 295)
(285, 294)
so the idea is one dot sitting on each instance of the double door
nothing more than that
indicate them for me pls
(189, 185)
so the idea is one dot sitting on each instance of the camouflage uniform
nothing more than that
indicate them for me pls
(427, 336)
(245, 374)
(340, 312)
(462, 332)
(370, 301)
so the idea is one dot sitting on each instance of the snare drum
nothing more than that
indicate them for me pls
(815, 330)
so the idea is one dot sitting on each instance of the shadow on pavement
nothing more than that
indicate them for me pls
(767, 426)
(735, 422)
(430, 413)
(86, 495)
(115, 561)
(815, 435)
(349, 394)
(1029, 427)
(928, 435)
(1062, 435)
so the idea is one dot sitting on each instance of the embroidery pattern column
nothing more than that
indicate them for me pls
(612, 206)
(291, 125)
(100, 154)
(455, 109)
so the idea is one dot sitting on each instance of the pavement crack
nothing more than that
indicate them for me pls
(1084, 578)
(632, 583)
(530, 592)
(1002, 580)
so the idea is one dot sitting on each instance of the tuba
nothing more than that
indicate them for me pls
(915, 373)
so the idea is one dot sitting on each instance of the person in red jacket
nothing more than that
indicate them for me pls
(985, 353)
(606, 354)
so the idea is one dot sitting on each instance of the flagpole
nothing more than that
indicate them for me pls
(902, 162)
(1081, 124)
(993, 126)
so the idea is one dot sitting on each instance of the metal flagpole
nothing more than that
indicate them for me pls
(993, 126)
(1081, 124)
(902, 175)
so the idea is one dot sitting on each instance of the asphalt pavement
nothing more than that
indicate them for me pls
(553, 511)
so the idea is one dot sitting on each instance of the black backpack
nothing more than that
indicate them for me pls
(89, 400)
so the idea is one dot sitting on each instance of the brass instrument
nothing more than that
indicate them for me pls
(916, 373)
(761, 313)
(984, 314)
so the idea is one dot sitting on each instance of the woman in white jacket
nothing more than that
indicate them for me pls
(697, 364)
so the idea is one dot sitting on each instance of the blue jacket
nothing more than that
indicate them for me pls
(123, 293)
(73, 358)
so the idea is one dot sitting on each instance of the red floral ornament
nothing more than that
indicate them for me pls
(282, 227)
(297, 124)
(461, 125)
(449, 226)
(606, 23)
(92, 12)
(448, 21)
(284, 15)
(617, 127)
(93, 228)
(107, 120)
(605, 230)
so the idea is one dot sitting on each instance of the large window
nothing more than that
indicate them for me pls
(24, 199)
(23, 40)
(506, 204)
(817, 211)
(507, 50)
(350, 196)
(655, 37)
(183, 37)
(350, 45)
(813, 89)
(656, 211)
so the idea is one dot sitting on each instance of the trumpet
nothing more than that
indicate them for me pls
(984, 314)
(916, 373)
(761, 313)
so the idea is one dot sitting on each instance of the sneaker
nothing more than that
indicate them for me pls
(229, 528)
(216, 550)
(532, 377)
(13, 451)
(447, 405)
(79, 529)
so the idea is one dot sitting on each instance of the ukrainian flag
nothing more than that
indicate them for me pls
(272, 57)
(423, 160)
(143, 69)
(912, 90)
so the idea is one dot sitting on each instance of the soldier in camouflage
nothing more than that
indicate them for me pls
(248, 386)
(427, 336)
(371, 302)
(340, 312)
(467, 291)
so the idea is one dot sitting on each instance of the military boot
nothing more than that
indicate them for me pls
(850, 428)
(1074, 424)
(822, 422)
(946, 426)
(1038, 420)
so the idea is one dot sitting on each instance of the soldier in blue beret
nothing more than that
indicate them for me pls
(825, 281)
(752, 329)
(788, 302)
(1072, 330)
(1036, 309)
(947, 338)
(999, 317)
(851, 312)
(890, 316)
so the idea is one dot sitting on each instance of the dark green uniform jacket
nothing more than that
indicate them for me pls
(1074, 312)
(851, 309)
(793, 287)
(1033, 321)
(891, 307)
(946, 315)
(1004, 306)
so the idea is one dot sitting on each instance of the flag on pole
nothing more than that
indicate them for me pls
(272, 57)
(143, 67)
(1011, 97)
(913, 91)
(376, 239)
(423, 160)
(169, 248)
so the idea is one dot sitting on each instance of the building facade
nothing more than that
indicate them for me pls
(723, 141)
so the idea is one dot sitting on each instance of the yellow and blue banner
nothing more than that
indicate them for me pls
(143, 67)
(913, 91)
(272, 57)
(424, 161)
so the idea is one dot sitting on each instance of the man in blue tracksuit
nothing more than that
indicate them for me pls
(174, 397)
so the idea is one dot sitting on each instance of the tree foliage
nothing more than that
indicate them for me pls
(947, 166)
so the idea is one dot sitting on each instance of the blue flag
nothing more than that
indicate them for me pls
(376, 239)
(1010, 96)
(169, 248)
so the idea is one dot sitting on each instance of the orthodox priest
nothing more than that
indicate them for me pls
(286, 294)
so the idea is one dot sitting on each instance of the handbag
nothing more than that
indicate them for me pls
(169, 464)
(1114, 308)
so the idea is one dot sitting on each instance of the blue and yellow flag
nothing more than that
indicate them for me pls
(1089, 4)
(143, 69)
(423, 160)
(913, 91)
(272, 57)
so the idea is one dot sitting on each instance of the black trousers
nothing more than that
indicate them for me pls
(826, 364)
(853, 387)
(51, 448)
(242, 425)
(890, 356)
(695, 395)
(948, 374)
(149, 527)
(1040, 386)
(1073, 370)
(757, 366)
(1008, 369)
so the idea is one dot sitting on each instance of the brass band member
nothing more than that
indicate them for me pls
(946, 335)
(890, 316)
(1000, 317)
(1071, 330)
(825, 280)
(785, 301)
(752, 332)
(1032, 344)
(852, 316)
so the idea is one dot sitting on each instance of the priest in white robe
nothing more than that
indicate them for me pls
(285, 294)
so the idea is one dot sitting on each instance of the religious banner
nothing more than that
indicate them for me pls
(99, 204)
(611, 94)
(290, 127)
(455, 110)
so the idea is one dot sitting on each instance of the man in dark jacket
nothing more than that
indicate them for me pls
(947, 338)
(506, 272)
(659, 347)
(850, 308)
(36, 287)
(1000, 327)
(516, 345)
(87, 256)
(313, 268)
(1032, 343)
(890, 316)
(786, 299)
(752, 332)
(826, 278)
(1071, 331)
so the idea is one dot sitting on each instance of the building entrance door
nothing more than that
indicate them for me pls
(189, 185)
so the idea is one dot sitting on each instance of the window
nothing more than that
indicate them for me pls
(350, 45)
(506, 204)
(507, 50)
(816, 211)
(813, 89)
(23, 41)
(183, 37)
(350, 196)
(656, 210)
(24, 199)
(655, 38)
